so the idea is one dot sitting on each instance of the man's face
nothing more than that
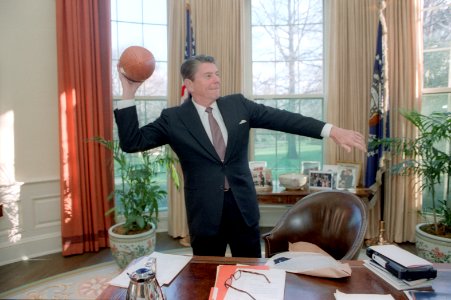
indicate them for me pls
(206, 84)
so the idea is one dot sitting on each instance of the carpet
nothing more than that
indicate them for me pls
(83, 283)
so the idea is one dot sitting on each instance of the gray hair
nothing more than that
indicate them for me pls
(190, 65)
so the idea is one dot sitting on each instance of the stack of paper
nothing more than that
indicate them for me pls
(343, 296)
(168, 266)
(386, 258)
(392, 280)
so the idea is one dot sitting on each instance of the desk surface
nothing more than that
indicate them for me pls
(196, 279)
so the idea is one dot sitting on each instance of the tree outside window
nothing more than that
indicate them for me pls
(287, 73)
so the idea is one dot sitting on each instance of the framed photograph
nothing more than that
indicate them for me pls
(355, 166)
(333, 169)
(321, 180)
(307, 166)
(330, 168)
(261, 175)
(346, 177)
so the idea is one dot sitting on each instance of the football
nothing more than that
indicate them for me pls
(136, 63)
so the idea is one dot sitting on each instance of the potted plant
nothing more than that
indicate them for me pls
(138, 194)
(428, 157)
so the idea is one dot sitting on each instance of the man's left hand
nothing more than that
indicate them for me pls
(348, 139)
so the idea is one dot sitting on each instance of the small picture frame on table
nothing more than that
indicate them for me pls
(346, 177)
(352, 165)
(333, 169)
(321, 180)
(261, 175)
(307, 166)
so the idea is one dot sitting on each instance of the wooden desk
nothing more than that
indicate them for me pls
(196, 279)
(284, 197)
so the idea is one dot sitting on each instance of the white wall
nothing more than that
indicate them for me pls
(29, 151)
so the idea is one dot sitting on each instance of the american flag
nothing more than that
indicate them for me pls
(378, 118)
(190, 45)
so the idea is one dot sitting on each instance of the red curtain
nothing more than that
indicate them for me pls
(85, 111)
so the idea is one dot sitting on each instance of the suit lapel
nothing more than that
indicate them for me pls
(190, 118)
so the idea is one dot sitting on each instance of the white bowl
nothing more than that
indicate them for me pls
(293, 181)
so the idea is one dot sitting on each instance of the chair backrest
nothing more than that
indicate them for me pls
(335, 221)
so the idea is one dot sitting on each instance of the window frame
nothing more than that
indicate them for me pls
(248, 76)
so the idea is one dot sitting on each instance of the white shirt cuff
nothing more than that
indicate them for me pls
(125, 103)
(325, 133)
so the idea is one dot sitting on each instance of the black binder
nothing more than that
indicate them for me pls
(399, 271)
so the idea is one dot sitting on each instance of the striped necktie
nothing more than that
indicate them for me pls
(218, 139)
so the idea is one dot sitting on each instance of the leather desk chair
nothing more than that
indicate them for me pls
(335, 221)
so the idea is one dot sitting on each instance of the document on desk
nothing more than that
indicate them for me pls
(312, 264)
(343, 296)
(257, 286)
(168, 266)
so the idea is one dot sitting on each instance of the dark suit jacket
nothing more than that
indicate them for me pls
(203, 171)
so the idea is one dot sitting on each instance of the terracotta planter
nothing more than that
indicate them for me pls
(431, 247)
(126, 248)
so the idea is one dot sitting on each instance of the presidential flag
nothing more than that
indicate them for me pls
(378, 114)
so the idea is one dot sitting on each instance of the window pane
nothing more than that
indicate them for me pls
(142, 23)
(284, 152)
(288, 37)
(129, 10)
(261, 49)
(153, 37)
(129, 34)
(436, 69)
(436, 103)
(156, 84)
(436, 58)
(287, 65)
(436, 25)
(263, 75)
(154, 12)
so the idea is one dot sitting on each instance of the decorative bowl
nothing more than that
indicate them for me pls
(293, 181)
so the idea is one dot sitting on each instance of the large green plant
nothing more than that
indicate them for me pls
(139, 193)
(427, 156)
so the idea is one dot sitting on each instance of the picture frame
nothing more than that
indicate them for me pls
(346, 177)
(321, 180)
(307, 166)
(356, 166)
(333, 169)
(261, 176)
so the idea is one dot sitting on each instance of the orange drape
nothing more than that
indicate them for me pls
(85, 111)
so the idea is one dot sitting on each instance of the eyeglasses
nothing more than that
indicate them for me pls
(236, 276)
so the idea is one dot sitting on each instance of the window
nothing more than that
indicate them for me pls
(287, 73)
(142, 23)
(437, 63)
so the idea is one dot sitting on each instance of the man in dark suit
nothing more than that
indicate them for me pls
(220, 197)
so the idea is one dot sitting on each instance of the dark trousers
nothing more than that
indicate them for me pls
(244, 241)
